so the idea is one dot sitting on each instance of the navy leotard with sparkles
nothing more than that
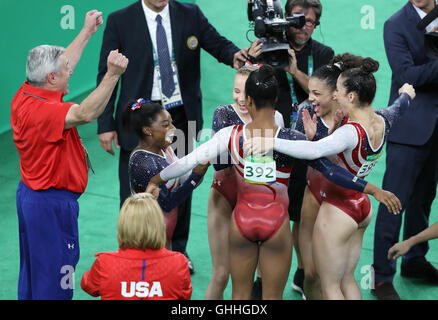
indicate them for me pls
(143, 165)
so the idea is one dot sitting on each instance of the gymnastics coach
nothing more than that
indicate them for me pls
(53, 162)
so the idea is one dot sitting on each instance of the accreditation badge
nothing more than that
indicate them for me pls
(260, 169)
(176, 99)
(87, 159)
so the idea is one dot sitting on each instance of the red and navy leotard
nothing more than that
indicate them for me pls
(355, 154)
(224, 175)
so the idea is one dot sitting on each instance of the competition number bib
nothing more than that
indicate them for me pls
(368, 165)
(261, 170)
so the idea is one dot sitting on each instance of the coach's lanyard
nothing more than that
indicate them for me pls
(291, 81)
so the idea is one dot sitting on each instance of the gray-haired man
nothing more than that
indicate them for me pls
(53, 162)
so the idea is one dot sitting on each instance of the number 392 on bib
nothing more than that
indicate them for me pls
(260, 170)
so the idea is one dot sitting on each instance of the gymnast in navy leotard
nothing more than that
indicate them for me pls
(153, 125)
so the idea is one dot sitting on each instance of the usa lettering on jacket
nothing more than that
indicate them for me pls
(141, 289)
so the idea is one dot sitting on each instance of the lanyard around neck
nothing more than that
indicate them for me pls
(291, 81)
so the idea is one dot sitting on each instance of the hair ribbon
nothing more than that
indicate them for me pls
(137, 105)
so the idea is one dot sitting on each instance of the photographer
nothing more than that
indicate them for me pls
(305, 56)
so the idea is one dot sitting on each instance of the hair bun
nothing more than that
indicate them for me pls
(266, 72)
(369, 65)
(347, 61)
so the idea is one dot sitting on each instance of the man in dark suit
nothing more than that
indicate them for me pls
(412, 149)
(140, 31)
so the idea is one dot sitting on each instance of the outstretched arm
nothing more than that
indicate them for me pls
(204, 153)
(143, 166)
(95, 103)
(93, 20)
(346, 179)
(168, 200)
(401, 248)
(342, 139)
(394, 111)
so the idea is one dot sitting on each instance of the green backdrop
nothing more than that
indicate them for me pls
(346, 26)
(29, 23)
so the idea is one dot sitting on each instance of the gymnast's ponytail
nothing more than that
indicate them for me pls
(262, 87)
(330, 72)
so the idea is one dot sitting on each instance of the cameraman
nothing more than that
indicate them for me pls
(305, 56)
